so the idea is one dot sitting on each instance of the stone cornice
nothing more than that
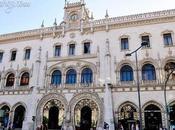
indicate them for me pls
(97, 25)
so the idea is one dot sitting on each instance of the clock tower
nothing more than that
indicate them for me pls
(75, 13)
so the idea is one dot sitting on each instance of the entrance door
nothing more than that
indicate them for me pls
(153, 118)
(86, 114)
(19, 117)
(53, 118)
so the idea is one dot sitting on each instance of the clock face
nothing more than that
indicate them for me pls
(74, 17)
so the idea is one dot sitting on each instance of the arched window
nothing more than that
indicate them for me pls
(19, 115)
(10, 80)
(24, 79)
(87, 76)
(5, 116)
(71, 76)
(126, 73)
(148, 72)
(56, 77)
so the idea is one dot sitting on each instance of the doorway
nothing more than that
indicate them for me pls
(18, 117)
(153, 118)
(86, 114)
(53, 118)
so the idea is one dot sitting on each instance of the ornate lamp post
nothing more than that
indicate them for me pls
(169, 69)
(137, 79)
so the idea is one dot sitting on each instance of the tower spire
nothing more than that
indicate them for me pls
(55, 22)
(106, 16)
(42, 25)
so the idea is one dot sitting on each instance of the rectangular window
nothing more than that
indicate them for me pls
(1, 56)
(13, 55)
(87, 48)
(72, 49)
(27, 54)
(57, 51)
(167, 39)
(146, 39)
(124, 44)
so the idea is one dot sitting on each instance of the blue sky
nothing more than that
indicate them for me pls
(15, 17)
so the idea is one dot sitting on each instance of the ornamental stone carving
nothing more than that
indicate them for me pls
(44, 101)
(92, 97)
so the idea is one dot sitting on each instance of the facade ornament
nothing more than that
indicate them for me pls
(82, 2)
(63, 28)
(147, 54)
(65, 3)
(91, 22)
(81, 25)
(107, 48)
(107, 23)
(106, 16)
(45, 70)
(54, 28)
(42, 30)
(31, 74)
(170, 52)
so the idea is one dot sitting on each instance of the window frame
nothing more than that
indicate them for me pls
(165, 40)
(25, 84)
(1, 56)
(149, 43)
(55, 54)
(89, 49)
(71, 53)
(9, 84)
(73, 81)
(145, 74)
(60, 76)
(85, 75)
(131, 74)
(121, 43)
(25, 54)
(11, 56)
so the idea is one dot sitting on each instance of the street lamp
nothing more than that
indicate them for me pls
(169, 69)
(144, 43)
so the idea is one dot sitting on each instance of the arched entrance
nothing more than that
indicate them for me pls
(86, 115)
(4, 118)
(128, 116)
(172, 115)
(53, 114)
(49, 105)
(53, 118)
(19, 115)
(85, 122)
(153, 118)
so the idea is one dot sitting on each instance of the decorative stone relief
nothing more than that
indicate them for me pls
(72, 35)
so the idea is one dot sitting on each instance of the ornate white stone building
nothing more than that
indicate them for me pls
(75, 75)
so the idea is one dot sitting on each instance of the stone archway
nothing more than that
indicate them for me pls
(153, 115)
(48, 102)
(93, 102)
(128, 115)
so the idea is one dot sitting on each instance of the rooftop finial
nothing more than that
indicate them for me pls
(82, 1)
(106, 16)
(42, 25)
(65, 3)
(92, 17)
(55, 22)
